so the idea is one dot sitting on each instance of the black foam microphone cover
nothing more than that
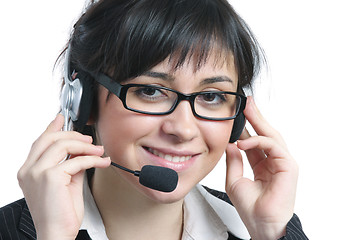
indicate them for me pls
(158, 178)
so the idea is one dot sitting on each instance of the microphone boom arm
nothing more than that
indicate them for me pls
(136, 173)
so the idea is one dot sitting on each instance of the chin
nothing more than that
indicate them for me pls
(130, 184)
(167, 198)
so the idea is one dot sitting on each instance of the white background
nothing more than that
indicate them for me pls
(310, 94)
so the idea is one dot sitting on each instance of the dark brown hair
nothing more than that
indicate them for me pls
(125, 38)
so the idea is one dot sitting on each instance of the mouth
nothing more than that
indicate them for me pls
(170, 157)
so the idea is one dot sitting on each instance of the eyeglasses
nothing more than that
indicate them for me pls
(157, 100)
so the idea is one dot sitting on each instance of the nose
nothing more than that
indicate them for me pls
(181, 124)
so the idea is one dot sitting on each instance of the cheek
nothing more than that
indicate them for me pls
(113, 124)
(119, 130)
(115, 128)
(217, 135)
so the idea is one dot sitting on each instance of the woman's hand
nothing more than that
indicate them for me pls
(267, 203)
(52, 188)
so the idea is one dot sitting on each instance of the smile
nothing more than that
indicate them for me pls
(168, 157)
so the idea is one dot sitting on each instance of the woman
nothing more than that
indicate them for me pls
(159, 53)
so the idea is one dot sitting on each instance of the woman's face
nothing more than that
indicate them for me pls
(180, 141)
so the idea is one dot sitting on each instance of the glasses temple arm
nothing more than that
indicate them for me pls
(108, 83)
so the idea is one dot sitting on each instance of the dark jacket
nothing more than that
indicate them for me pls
(16, 223)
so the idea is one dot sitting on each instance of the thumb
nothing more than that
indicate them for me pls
(234, 166)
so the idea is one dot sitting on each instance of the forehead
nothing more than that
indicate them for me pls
(216, 62)
(199, 55)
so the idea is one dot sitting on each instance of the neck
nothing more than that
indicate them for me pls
(130, 214)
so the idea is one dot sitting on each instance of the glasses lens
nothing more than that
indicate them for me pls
(216, 105)
(150, 99)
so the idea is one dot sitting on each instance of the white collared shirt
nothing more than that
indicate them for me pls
(205, 217)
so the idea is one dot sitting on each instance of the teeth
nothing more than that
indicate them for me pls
(169, 157)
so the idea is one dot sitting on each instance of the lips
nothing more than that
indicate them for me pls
(178, 160)
(170, 157)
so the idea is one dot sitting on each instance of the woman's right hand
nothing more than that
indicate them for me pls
(52, 188)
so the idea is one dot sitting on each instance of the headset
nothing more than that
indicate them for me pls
(77, 100)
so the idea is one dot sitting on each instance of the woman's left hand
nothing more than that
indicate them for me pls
(265, 204)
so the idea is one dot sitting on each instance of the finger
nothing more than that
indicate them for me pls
(47, 139)
(57, 124)
(234, 165)
(277, 159)
(82, 163)
(266, 144)
(253, 155)
(259, 123)
(245, 134)
(54, 126)
(59, 150)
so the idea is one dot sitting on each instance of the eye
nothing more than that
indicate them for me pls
(212, 98)
(148, 93)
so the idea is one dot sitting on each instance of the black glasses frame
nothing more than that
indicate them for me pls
(120, 91)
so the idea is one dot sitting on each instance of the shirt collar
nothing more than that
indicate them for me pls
(92, 221)
(200, 220)
(205, 217)
(226, 212)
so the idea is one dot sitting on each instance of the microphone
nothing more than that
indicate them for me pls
(154, 177)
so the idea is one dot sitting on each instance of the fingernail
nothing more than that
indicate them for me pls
(87, 138)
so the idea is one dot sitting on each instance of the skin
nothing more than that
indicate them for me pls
(54, 191)
(177, 133)
(265, 204)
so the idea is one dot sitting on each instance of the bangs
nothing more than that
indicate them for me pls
(135, 36)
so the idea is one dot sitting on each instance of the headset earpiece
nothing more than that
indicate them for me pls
(239, 124)
(76, 99)
(86, 101)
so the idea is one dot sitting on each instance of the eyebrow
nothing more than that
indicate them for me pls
(163, 76)
(216, 79)
(168, 77)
